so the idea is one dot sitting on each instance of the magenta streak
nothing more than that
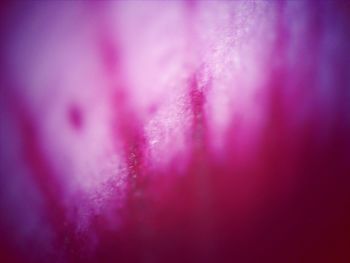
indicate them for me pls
(129, 135)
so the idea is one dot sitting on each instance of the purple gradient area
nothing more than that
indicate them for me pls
(178, 131)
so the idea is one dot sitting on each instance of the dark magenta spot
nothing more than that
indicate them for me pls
(75, 117)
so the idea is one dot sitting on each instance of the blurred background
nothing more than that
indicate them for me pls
(175, 131)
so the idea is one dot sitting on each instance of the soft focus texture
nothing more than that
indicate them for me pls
(175, 131)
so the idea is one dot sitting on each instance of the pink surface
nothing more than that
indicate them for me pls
(179, 131)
